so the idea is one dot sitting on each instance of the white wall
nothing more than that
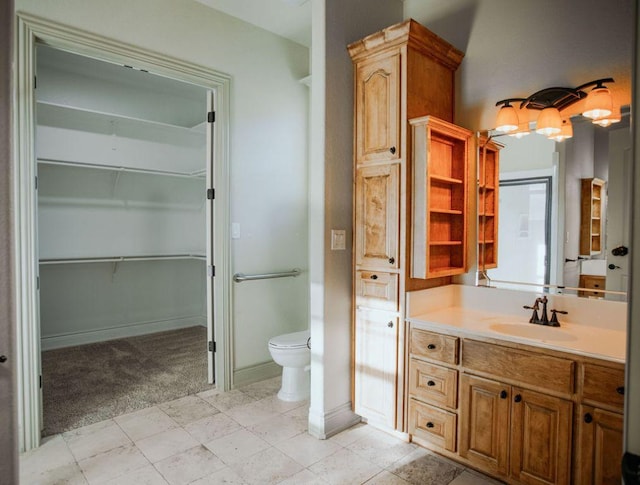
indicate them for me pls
(268, 140)
(335, 25)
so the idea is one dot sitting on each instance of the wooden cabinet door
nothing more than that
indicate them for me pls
(599, 453)
(378, 108)
(377, 216)
(376, 351)
(540, 438)
(484, 423)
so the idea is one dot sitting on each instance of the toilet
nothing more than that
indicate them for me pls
(293, 352)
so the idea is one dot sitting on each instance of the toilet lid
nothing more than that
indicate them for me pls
(290, 340)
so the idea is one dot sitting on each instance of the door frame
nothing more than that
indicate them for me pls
(30, 31)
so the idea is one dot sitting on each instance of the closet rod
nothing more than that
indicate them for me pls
(119, 259)
(240, 277)
(192, 175)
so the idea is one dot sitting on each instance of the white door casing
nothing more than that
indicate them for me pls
(32, 30)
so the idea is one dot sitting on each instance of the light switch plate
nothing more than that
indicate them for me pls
(338, 239)
(235, 230)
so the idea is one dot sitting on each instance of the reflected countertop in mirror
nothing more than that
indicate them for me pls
(543, 208)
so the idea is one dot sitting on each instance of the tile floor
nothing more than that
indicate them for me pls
(244, 436)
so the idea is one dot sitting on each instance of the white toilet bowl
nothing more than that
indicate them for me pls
(293, 353)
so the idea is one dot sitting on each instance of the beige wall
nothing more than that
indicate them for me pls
(8, 423)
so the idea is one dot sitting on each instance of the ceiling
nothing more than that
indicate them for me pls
(288, 18)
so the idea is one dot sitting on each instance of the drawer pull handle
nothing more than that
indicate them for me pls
(620, 390)
(588, 418)
(390, 324)
(430, 424)
(503, 394)
(392, 150)
(431, 383)
(374, 276)
(431, 346)
(392, 260)
(517, 398)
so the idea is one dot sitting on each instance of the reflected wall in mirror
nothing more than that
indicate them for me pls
(564, 211)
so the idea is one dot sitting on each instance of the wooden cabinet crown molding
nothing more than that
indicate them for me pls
(417, 36)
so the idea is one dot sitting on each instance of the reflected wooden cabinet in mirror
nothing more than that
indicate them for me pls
(488, 197)
(592, 200)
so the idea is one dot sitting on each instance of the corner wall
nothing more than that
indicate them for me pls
(336, 24)
(8, 421)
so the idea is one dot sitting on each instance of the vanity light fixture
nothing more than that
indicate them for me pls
(549, 122)
(605, 121)
(522, 131)
(551, 101)
(598, 104)
(507, 117)
(566, 131)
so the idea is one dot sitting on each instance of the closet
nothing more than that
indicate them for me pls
(122, 201)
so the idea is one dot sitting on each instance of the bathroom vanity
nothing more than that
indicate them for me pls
(525, 403)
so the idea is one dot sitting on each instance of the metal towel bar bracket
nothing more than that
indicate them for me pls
(240, 277)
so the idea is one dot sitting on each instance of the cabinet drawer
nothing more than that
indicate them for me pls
(376, 289)
(434, 346)
(521, 366)
(433, 425)
(603, 385)
(433, 384)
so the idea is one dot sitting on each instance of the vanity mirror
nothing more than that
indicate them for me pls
(561, 209)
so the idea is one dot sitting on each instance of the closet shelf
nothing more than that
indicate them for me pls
(120, 259)
(103, 115)
(196, 174)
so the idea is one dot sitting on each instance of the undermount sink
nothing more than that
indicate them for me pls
(532, 331)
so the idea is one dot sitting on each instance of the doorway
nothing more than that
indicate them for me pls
(121, 167)
(34, 32)
(525, 222)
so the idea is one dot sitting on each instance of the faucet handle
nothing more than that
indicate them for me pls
(534, 315)
(554, 318)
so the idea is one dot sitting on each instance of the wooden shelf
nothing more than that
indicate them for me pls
(489, 183)
(445, 211)
(439, 200)
(445, 180)
(445, 243)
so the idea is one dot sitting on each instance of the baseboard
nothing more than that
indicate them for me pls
(325, 425)
(124, 331)
(255, 373)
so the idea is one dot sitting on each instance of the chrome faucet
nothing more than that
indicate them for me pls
(543, 319)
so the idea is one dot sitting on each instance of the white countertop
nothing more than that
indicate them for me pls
(587, 340)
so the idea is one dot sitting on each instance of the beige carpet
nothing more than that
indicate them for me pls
(89, 383)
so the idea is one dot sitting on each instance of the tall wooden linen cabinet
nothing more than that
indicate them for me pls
(402, 72)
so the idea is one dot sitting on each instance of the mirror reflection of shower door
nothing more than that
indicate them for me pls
(525, 223)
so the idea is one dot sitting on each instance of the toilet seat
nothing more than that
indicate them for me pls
(295, 340)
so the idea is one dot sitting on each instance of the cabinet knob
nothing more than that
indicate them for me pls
(620, 390)
(431, 383)
(588, 418)
(374, 276)
(430, 424)
(431, 346)
(390, 324)
(392, 150)
(392, 260)
(3, 359)
(503, 394)
(517, 398)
